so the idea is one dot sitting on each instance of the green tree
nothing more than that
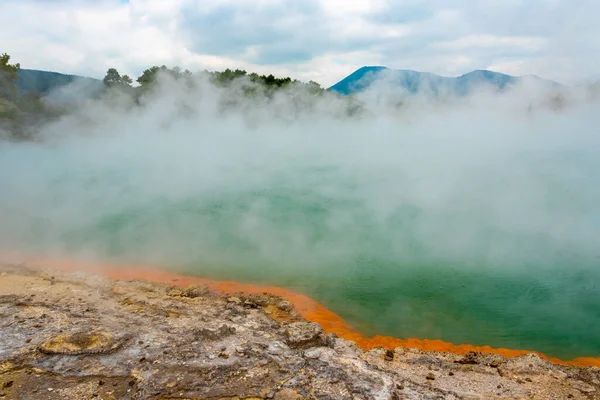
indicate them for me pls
(114, 79)
(314, 87)
(19, 112)
(11, 69)
(8, 75)
(149, 75)
(126, 80)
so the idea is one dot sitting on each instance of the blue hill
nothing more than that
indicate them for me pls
(31, 80)
(358, 81)
(414, 81)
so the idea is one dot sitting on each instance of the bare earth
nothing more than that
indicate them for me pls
(81, 336)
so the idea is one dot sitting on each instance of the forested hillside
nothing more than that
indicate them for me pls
(45, 82)
(29, 98)
(20, 111)
(148, 79)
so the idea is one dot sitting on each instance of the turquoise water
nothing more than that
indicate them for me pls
(403, 237)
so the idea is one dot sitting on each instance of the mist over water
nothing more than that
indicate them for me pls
(473, 220)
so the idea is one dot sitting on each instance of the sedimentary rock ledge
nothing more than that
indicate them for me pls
(81, 336)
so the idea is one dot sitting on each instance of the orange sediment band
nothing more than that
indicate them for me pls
(304, 305)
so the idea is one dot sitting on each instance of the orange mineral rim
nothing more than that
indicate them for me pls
(309, 308)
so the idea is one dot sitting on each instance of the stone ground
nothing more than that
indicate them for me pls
(79, 336)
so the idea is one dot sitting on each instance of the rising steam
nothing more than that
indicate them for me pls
(366, 197)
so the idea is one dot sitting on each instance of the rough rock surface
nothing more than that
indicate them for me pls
(78, 336)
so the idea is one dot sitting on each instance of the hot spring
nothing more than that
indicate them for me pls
(474, 225)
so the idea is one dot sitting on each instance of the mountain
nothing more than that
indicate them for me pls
(414, 81)
(45, 82)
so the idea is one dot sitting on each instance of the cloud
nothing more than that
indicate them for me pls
(316, 39)
(492, 41)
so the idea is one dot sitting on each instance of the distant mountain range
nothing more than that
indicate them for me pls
(414, 82)
(45, 82)
(410, 81)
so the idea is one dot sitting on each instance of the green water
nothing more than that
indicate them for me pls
(410, 248)
(380, 277)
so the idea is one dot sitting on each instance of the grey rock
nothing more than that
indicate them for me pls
(304, 334)
(188, 346)
(285, 306)
(584, 387)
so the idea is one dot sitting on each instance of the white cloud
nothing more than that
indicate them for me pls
(479, 41)
(355, 7)
(317, 39)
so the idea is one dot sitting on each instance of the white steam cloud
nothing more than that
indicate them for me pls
(295, 186)
(486, 175)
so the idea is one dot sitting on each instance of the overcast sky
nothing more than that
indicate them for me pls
(323, 40)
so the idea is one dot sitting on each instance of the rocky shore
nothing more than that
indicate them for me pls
(81, 336)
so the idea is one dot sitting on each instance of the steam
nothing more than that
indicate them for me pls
(301, 188)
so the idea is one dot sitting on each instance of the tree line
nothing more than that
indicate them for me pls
(148, 78)
(20, 112)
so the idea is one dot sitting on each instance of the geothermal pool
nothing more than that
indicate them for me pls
(481, 232)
